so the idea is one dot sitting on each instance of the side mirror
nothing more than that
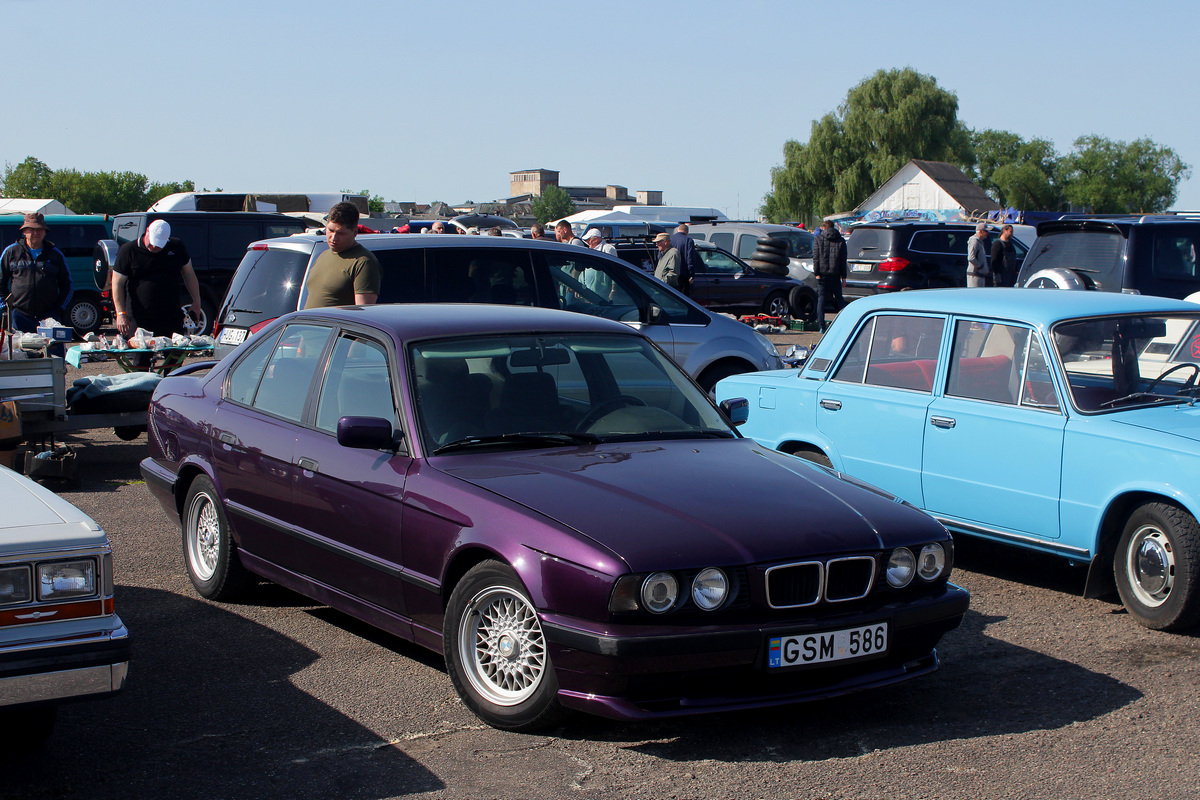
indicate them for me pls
(366, 433)
(736, 410)
(654, 315)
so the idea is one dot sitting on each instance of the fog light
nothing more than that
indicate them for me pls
(932, 561)
(710, 588)
(659, 592)
(900, 567)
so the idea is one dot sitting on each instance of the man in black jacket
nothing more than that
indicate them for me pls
(1004, 258)
(35, 281)
(829, 263)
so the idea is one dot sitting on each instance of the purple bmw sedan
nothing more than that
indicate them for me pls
(547, 500)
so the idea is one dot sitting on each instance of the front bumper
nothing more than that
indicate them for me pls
(68, 667)
(621, 674)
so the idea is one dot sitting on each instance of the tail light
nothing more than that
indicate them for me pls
(893, 264)
(256, 328)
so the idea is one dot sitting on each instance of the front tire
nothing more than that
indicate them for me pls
(1157, 567)
(208, 550)
(496, 653)
(777, 305)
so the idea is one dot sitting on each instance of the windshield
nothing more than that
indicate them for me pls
(1115, 362)
(552, 390)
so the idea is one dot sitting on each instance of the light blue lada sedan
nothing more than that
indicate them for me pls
(1065, 422)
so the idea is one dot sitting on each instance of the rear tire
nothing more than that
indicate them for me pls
(777, 305)
(1157, 567)
(803, 303)
(814, 455)
(209, 553)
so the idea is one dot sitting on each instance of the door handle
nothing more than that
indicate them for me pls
(227, 438)
(831, 405)
(942, 422)
(307, 463)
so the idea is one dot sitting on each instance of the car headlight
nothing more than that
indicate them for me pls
(768, 346)
(66, 579)
(709, 589)
(659, 592)
(15, 586)
(932, 561)
(900, 567)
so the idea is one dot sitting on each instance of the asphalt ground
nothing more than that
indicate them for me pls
(1041, 695)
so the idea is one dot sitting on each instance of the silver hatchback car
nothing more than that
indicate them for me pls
(424, 268)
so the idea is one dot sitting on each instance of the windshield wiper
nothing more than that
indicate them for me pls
(244, 311)
(1129, 398)
(528, 439)
(697, 433)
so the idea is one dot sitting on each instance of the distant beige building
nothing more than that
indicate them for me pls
(533, 182)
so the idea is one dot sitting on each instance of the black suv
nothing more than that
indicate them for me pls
(893, 256)
(1153, 255)
(216, 241)
(729, 284)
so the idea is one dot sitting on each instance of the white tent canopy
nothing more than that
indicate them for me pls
(22, 205)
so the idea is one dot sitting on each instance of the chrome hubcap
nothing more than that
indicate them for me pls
(1151, 566)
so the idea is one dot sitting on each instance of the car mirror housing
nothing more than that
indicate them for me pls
(736, 410)
(366, 433)
(654, 315)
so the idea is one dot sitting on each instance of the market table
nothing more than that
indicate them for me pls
(172, 357)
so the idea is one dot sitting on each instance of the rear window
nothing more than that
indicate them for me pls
(266, 285)
(1097, 254)
(871, 243)
(800, 243)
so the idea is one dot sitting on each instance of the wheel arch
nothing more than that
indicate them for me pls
(796, 446)
(1101, 581)
(724, 367)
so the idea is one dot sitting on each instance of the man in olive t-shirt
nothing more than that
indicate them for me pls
(347, 273)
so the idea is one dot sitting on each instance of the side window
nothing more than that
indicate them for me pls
(195, 238)
(1174, 253)
(480, 275)
(989, 361)
(227, 242)
(676, 309)
(357, 384)
(723, 240)
(1037, 387)
(273, 230)
(896, 351)
(243, 378)
(588, 285)
(930, 242)
(284, 387)
(403, 275)
(747, 242)
(716, 261)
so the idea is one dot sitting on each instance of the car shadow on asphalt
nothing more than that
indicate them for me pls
(1020, 565)
(210, 710)
(986, 687)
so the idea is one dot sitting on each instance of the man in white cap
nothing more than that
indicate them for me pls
(148, 280)
(595, 240)
(977, 256)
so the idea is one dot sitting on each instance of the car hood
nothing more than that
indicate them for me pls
(1176, 420)
(692, 503)
(36, 519)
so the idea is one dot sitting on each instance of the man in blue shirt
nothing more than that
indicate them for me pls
(35, 281)
(689, 259)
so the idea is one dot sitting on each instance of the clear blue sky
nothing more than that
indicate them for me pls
(440, 101)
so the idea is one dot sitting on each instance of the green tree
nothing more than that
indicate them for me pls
(31, 178)
(553, 204)
(888, 119)
(1015, 172)
(1109, 177)
(157, 191)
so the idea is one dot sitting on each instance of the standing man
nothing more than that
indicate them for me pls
(1004, 259)
(536, 231)
(689, 259)
(667, 270)
(35, 281)
(148, 277)
(829, 263)
(595, 240)
(563, 232)
(977, 255)
(347, 273)
(438, 227)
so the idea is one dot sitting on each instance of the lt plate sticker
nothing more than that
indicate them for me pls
(819, 648)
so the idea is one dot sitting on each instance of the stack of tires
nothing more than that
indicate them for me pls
(770, 255)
